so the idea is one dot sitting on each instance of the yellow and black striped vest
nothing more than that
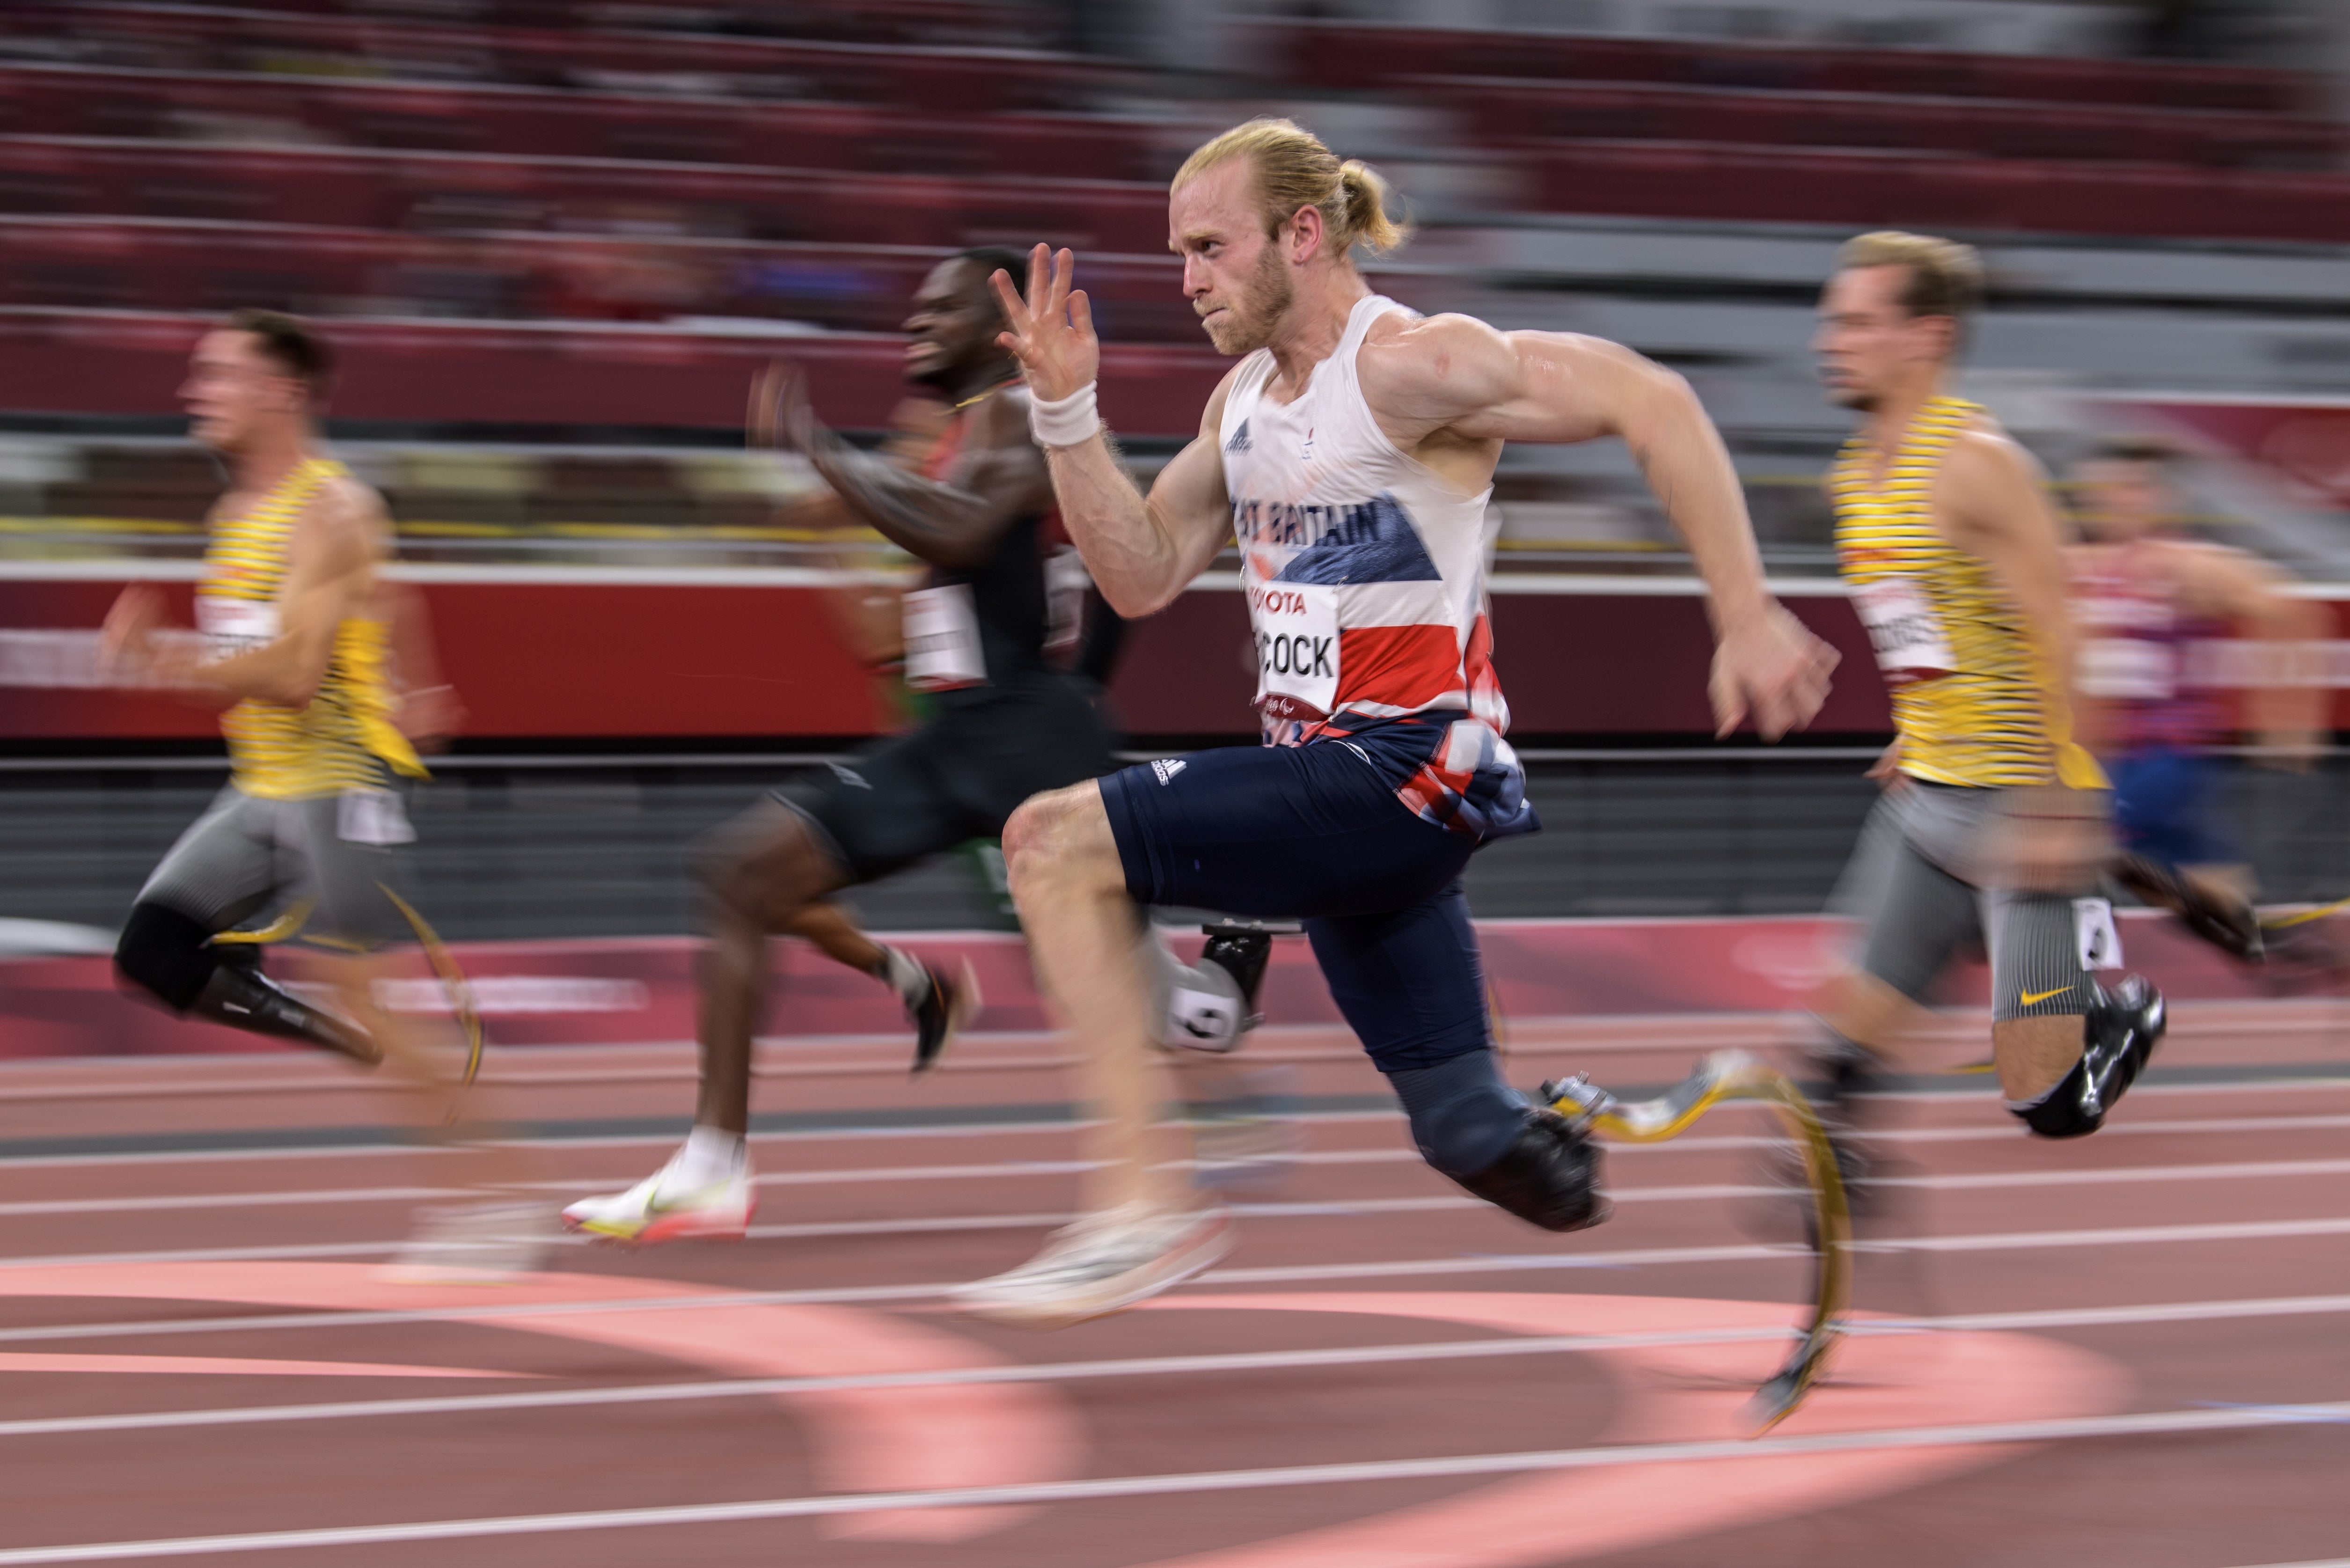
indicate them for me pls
(1990, 718)
(344, 738)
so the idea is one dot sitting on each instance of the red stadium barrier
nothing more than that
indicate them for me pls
(1354, 54)
(192, 265)
(430, 192)
(953, 69)
(1505, 113)
(1869, 190)
(93, 362)
(539, 122)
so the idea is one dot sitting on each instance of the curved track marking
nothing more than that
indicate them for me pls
(871, 1439)
(1683, 1392)
(38, 1361)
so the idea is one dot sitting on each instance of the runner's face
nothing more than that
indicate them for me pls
(1867, 341)
(953, 324)
(2120, 500)
(232, 388)
(1234, 274)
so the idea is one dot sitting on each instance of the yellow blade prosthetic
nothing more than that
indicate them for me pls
(1735, 1075)
(2304, 917)
(453, 981)
(281, 930)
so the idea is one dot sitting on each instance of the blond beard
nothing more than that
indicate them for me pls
(1250, 319)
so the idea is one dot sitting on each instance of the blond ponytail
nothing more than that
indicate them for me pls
(1367, 196)
(1295, 170)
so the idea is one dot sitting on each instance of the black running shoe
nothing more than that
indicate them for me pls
(1549, 1177)
(943, 1007)
(1242, 953)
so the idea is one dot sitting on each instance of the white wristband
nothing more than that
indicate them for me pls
(1065, 422)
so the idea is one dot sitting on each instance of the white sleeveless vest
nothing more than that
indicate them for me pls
(1365, 572)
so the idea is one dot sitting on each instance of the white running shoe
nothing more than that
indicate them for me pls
(662, 1208)
(493, 1241)
(1103, 1263)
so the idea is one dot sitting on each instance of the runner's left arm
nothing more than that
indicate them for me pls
(953, 523)
(1454, 378)
(1993, 501)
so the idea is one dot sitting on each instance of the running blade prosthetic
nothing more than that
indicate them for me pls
(1736, 1075)
(2216, 916)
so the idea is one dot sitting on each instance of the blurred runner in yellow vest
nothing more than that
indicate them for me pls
(294, 646)
(1993, 821)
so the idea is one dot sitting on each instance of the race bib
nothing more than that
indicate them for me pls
(2128, 669)
(1066, 582)
(2092, 929)
(943, 649)
(1904, 630)
(235, 626)
(1296, 650)
(372, 817)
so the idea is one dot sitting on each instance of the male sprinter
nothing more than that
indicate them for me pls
(296, 624)
(2146, 594)
(298, 630)
(1352, 451)
(1006, 722)
(1991, 818)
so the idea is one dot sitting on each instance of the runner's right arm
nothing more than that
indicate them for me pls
(953, 523)
(1142, 552)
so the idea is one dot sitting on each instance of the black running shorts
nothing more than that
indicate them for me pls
(955, 777)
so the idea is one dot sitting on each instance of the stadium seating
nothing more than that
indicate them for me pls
(767, 162)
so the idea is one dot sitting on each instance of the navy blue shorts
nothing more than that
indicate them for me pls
(1316, 833)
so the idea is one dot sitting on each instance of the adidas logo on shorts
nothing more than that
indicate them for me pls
(1167, 768)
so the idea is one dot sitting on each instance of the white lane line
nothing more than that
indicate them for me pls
(2146, 1423)
(2119, 1174)
(160, 1202)
(1164, 1366)
(1498, 1263)
(2004, 1129)
(744, 1388)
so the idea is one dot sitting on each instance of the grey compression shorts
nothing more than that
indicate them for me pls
(248, 857)
(1922, 882)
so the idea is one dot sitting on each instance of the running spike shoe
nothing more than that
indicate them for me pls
(665, 1208)
(494, 1241)
(943, 1007)
(1101, 1264)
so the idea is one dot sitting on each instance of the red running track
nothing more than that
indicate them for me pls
(2129, 1349)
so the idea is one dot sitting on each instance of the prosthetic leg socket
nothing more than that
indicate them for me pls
(2119, 1033)
(241, 996)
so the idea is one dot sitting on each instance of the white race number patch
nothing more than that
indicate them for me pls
(943, 647)
(372, 817)
(1904, 630)
(2092, 929)
(1296, 649)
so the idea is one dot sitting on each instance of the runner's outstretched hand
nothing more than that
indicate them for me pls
(1772, 668)
(781, 417)
(1051, 333)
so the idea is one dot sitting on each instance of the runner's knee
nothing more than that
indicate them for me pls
(1056, 831)
(763, 863)
(1463, 1116)
(165, 953)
